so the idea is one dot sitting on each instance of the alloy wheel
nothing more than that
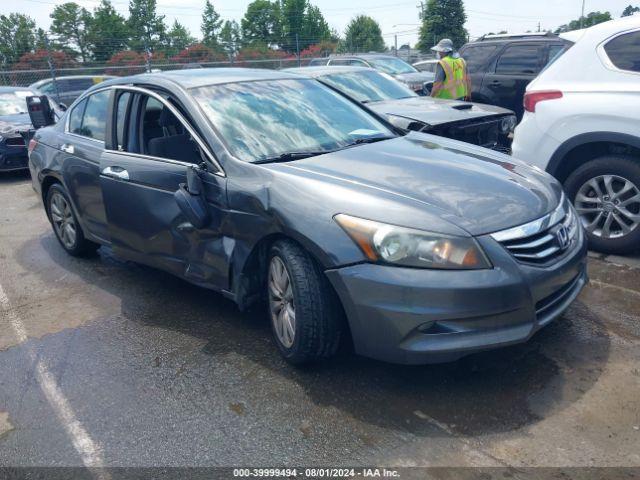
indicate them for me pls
(281, 302)
(63, 221)
(608, 206)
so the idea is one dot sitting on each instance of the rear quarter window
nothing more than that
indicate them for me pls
(519, 60)
(624, 51)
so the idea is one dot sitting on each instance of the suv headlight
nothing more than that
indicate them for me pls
(383, 243)
(508, 124)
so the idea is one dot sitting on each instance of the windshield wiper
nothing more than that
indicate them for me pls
(361, 141)
(291, 156)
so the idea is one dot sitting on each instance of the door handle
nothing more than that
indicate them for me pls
(116, 172)
(68, 148)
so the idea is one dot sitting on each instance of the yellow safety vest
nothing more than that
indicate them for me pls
(456, 81)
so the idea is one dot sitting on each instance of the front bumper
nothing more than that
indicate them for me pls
(484, 132)
(417, 316)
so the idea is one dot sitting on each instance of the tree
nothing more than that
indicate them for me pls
(630, 10)
(40, 60)
(593, 18)
(146, 27)
(302, 25)
(134, 61)
(210, 26)
(178, 38)
(16, 37)
(262, 23)
(442, 19)
(363, 34)
(230, 38)
(108, 32)
(197, 53)
(70, 25)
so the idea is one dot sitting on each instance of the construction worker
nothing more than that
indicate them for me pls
(452, 80)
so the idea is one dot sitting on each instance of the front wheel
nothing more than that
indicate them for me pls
(304, 311)
(606, 195)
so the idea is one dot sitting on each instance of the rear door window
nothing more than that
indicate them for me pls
(121, 114)
(624, 51)
(519, 60)
(477, 56)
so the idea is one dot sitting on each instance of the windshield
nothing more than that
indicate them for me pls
(391, 65)
(14, 103)
(265, 119)
(368, 86)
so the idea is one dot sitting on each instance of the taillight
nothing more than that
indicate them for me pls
(32, 145)
(532, 98)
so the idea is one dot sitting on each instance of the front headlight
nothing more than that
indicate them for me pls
(508, 124)
(383, 243)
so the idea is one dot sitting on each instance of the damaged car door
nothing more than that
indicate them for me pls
(152, 148)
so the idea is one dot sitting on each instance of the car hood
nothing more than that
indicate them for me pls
(12, 125)
(473, 188)
(415, 77)
(435, 111)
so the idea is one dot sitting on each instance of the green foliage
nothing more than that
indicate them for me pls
(211, 24)
(363, 34)
(590, 20)
(302, 25)
(178, 38)
(442, 19)
(69, 26)
(108, 32)
(262, 23)
(630, 10)
(230, 38)
(146, 27)
(16, 37)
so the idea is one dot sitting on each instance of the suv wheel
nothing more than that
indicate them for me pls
(304, 310)
(606, 194)
(65, 224)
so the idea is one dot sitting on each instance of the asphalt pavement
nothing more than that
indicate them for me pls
(108, 363)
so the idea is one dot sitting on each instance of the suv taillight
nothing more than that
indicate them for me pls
(32, 145)
(532, 98)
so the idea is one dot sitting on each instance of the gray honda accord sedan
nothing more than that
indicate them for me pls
(275, 189)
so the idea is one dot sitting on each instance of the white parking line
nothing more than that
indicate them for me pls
(88, 450)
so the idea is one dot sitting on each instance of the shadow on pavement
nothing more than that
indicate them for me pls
(496, 391)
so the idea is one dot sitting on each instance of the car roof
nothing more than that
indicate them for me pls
(502, 39)
(364, 55)
(429, 60)
(202, 77)
(8, 89)
(322, 70)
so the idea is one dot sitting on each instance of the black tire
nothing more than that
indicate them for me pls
(318, 314)
(621, 166)
(80, 247)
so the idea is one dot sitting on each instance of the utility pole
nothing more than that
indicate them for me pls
(298, 50)
(582, 15)
(395, 37)
(538, 27)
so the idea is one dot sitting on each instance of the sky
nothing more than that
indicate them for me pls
(394, 16)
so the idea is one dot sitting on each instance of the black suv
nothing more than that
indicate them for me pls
(501, 66)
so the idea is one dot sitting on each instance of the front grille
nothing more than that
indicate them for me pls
(15, 142)
(542, 241)
(485, 133)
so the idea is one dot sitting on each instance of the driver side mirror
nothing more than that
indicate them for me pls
(40, 111)
(427, 87)
(63, 107)
(190, 199)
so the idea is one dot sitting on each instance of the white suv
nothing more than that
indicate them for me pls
(582, 125)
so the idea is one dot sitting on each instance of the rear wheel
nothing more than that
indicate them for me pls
(303, 309)
(65, 224)
(606, 195)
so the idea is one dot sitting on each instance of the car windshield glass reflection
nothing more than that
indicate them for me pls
(369, 86)
(392, 66)
(12, 103)
(267, 119)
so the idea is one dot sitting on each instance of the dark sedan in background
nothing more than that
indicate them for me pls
(14, 123)
(66, 89)
(272, 187)
(484, 125)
